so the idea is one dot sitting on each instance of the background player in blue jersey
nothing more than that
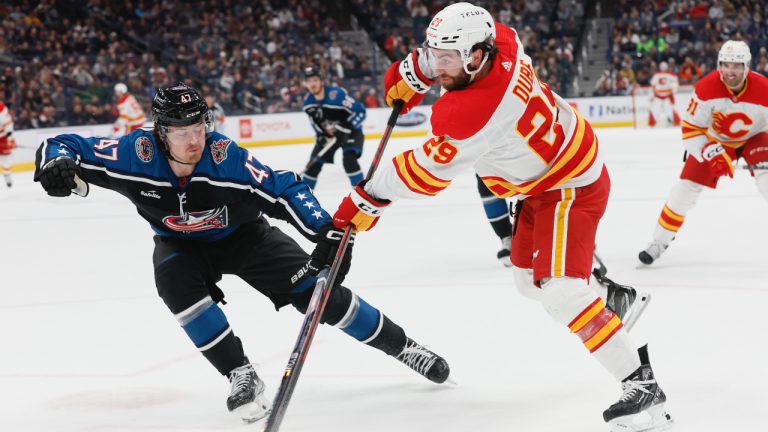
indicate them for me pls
(338, 122)
(205, 198)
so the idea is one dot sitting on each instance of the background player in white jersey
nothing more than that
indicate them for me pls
(7, 143)
(130, 116)
(664, 84)
(727, 119)
(522, 140)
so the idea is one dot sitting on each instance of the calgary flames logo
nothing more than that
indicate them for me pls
(724, 124)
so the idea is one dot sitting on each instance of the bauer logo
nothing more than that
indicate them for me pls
(144, 149)
(413, 118)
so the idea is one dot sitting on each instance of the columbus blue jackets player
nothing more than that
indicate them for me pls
(205, 198)
(338, 122)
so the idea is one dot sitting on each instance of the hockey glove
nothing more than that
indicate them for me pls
(58, 176)
(405, 81)
(328, 240)
(359, 209)
(718, 160)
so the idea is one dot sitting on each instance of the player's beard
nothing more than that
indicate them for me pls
(457, 82)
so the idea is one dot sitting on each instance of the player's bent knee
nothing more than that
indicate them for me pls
(565, 298)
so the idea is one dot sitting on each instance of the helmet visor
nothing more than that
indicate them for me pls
(185, 133)
(444, 59)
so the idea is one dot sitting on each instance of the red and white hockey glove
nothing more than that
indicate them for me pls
(718, 160)
(359, 209)
(405, 81)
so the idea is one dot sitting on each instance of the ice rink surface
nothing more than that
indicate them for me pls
(87, 345)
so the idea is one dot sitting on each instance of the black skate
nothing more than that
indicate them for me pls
(246, 396)
(504, 252)
(623, 300)
(8, 181)
(424, 361)
(641, 407)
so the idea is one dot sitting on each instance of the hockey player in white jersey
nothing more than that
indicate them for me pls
(7, 143)
(664, 84)
(130, 116)
(727, 119)
(523, 140)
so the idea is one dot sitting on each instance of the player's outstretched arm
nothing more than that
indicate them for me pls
(57, 176)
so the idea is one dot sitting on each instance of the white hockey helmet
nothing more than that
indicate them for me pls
(121, 88)
(735, 52)
(663, 66)
(461, 26)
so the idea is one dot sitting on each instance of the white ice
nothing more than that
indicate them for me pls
(87, 345)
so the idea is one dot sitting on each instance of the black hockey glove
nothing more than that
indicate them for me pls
(328, 240)
(58, 176)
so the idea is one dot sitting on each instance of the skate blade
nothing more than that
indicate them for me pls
(637, 309)
(253, 411)
(654, 419)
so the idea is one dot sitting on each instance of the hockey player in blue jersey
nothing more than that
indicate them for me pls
(205, 197)
(337, 119)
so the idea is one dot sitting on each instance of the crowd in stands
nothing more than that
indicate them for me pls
(686, 34)
(59, 60)
(548, 29)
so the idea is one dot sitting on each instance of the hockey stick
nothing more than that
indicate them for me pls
(600, 265)
(320, 295)
(756, 167)
(330, 142)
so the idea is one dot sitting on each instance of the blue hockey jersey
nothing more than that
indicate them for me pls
(337, 108)
(227, 188)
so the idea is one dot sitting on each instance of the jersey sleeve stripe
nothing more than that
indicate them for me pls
(416, 177)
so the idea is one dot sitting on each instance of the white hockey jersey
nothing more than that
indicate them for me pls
(717, 114)
(130, 115)
(7, 143)
(520, 137)
(6, 121)
(664, 85)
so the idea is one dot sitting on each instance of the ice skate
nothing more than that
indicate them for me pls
(641, 406)
(430, 365)
(652, 252)
(504, 252)
(626, 302)
(8, 181)
(246, 396)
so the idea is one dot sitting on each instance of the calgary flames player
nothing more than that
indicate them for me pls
(130, 115)
(7, 143)
(664, 84)
(525, 141)
(726, 119)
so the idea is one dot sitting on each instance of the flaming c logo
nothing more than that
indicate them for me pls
(723, 124)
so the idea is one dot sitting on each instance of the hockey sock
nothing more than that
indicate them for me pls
(352, 167)
(207, 327)
(682, 198)
(571, 302)
(496, 210)
(368, 325)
